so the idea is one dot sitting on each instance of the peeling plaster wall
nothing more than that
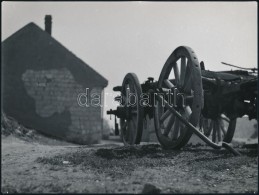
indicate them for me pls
(54, 92)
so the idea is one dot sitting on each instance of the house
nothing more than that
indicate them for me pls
(41, 82)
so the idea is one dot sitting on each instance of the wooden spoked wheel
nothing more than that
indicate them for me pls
(181, 72)
(220, 129)
(132, 123)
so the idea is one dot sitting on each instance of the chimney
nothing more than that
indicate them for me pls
(48, 23)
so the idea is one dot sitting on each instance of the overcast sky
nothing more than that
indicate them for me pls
(115, 38)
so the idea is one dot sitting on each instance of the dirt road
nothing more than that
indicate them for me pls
(59, 167)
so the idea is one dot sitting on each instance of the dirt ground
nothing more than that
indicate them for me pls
(59, 167)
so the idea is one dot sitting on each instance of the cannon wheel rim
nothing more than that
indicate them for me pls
(190, 82)
(216, 131)
(132, 127)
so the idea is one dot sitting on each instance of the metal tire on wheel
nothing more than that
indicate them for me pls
(132, 124)
(185, 67)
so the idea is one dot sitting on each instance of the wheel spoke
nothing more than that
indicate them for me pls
(225, 118)
(169, 84)
(183, 70)
(134, 124)
(222, 127)
(218, 130)
(214, 132)
(187, 85)
(166, 90)
(210, 127)
(165, 115)
(175, 131)
(205, 126)
(124, 125)
(176, 73)
(169, 125)
(188, 111)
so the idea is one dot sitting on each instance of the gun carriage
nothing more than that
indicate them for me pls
(186, 99)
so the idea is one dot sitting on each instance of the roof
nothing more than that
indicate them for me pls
(34, 48)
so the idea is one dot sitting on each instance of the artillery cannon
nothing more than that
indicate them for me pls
(186, 99)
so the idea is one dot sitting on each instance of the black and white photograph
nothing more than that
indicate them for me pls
(129, 97)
